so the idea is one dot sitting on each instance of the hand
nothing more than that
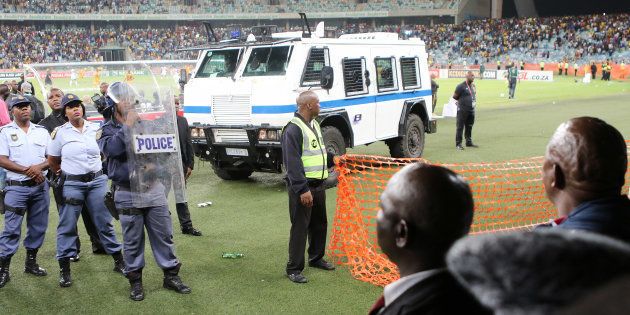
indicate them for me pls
(188, 173)
(132, 117)
(307, 199)
(39, 178)
(33, 171)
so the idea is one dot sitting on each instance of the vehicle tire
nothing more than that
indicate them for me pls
(411, 144)
(232, 174)
(334, 141)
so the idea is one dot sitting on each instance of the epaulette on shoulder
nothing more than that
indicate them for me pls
(54, 132)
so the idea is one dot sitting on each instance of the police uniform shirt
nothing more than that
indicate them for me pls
(22, 148)
(79, 149)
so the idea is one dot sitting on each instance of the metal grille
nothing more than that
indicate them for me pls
(230, 136)
(317, 59)
(232, 109)
(409, 68)
(353, 70)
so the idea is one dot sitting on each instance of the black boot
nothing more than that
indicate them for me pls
(173, 282)
(119, 262)
(31, 266)
(64, 273)
(136, 291)
(4, 270)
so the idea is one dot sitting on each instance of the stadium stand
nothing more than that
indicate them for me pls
(218, 6)
(580, 39)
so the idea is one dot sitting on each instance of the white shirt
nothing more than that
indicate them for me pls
(395, 289)
(24, 148)
(78, 150)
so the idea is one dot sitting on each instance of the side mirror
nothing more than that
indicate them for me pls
(327, 77)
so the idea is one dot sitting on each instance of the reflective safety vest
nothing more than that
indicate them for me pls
(314, 155)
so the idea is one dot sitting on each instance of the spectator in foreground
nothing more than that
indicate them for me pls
(424, 210)
(583, 174)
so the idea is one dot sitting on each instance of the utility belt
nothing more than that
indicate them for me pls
(23, 183)
(85, 178)
(131, 211)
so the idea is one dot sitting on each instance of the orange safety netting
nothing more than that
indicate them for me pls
(508, 196)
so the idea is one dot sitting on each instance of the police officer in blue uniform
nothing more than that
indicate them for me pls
(75, 156)
(113, 141)
(23, 154)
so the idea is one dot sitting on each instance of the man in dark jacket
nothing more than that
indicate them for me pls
(424, 210)
(38, 112)
(188, 161)
(583, 174)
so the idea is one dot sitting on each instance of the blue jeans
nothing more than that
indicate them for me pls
(33, 203)
(75, 194)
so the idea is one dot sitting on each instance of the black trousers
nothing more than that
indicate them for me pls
(306, 222)
(183, 213)
(434, 97)
(87, 222)
(465, 121)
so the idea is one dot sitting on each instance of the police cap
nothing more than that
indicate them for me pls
(69, 99)
(17, 100)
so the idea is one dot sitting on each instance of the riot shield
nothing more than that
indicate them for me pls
(153, 150)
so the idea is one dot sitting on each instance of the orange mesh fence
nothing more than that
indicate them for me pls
(508, 196)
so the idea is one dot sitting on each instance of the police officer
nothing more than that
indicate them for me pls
(466, 97)
(512, 78)
(55, 119)
(112, 140)
(306, 160)
(75, 156)
(23, 154)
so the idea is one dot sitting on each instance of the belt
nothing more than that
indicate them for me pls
(315, 183)
(87, 177)
(130, 211)
(27, 183)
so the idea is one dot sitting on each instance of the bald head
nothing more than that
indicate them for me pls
(433, 203)
(591, 154)
(308, 105)
(305, 98)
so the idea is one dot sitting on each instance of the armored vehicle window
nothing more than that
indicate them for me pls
(265, 61)
(218, 63)
(386, 74)
(410, 73)
(317, 59)
(354, 76)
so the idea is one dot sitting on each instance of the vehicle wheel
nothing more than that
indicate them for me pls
(411, 144)
(232, 174)
(334, 141)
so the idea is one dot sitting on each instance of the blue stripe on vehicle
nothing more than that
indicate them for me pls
(290, 108)
(282, 109)
(203, 109)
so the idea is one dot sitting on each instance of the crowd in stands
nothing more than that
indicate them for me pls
(576, 39)
(26, 44)
(217, 6)
(529, 39)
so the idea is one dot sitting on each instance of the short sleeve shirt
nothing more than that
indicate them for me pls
(23, 148)
(467, 95)
(78, 149)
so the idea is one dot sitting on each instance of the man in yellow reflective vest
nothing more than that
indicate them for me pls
(306, 162)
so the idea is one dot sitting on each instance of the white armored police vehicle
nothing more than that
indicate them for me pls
(372, 87)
